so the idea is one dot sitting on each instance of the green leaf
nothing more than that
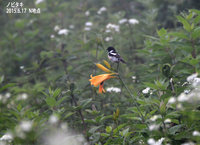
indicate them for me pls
(125, 132)
(61, 100)
(7, 86)
(1, 79)
(19, 24)
(50, 101)
(162, 32)
(185, 23)
(56, 93)
(108, 129)
(196, 33)
(173, 130)
(118, 128)
(85, 102)
(93, 129)
(68, 115)
(105, 134)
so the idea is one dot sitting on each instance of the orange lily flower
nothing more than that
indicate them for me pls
(99, 80)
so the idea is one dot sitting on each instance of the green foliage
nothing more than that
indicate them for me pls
(44, 75)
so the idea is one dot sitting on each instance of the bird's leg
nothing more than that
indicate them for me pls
(118, 67)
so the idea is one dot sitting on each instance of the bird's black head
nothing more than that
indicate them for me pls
(111, 48)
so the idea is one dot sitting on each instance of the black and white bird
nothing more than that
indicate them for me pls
(114, 56)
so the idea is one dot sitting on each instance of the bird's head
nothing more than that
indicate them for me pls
(109, 49)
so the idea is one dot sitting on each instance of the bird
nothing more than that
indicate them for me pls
(113, 56)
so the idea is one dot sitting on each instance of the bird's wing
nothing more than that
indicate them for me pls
(115, 54)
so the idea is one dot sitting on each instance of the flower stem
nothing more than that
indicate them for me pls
(132, 98)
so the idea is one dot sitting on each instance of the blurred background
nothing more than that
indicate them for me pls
(46, 60)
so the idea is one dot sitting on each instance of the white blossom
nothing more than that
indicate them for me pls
(171, 100)
(102, 9)
(56, 28)
(188, 143)
(155, 117)
(112, 27)
(1, 97)
(154, 127)
(64, 126)
(108, 39)
(196, 82)
(71, 26)
(53, 119)
(38, 1)
(179, 106)
(63, 32)
(133, 21)
(108, 31)
(151, 141)
(191, 78)
(192, 97)
(87, 28)
(167, 120)
(196, 133)
(26, 125)
(146, 91)
(52, 36)
(7, 137)
(183, 97)
(88, 24)
(87, 13)
(7, 95)
(22, 96)
(21, 67)
(113, 89)
(186, 91)
(133, 77)
(64, 137)
(122, 21)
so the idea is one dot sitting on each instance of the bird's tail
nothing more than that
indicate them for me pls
(122, 60)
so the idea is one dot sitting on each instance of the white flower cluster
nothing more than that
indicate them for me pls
(154, 127)
(38, 1)
(87, 13)
(188, 143)
(167, 120)
(194, 80)
(192, 97)
(196, 133)
(26, 126)
(63, 32)
(113, 89)
(88, 26)
(23, 127)
(6, 137)
(110, 27)
(130, 21)
(53, 119)
(122, 21)
(64, 136)
(22, 96)
(151, 141)
(171, 100)
(108, 38)
(102, 9)
(155, 117)
(133, 21)
(146, 91)
(71, 26)
(5, 97)
(60, 31)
